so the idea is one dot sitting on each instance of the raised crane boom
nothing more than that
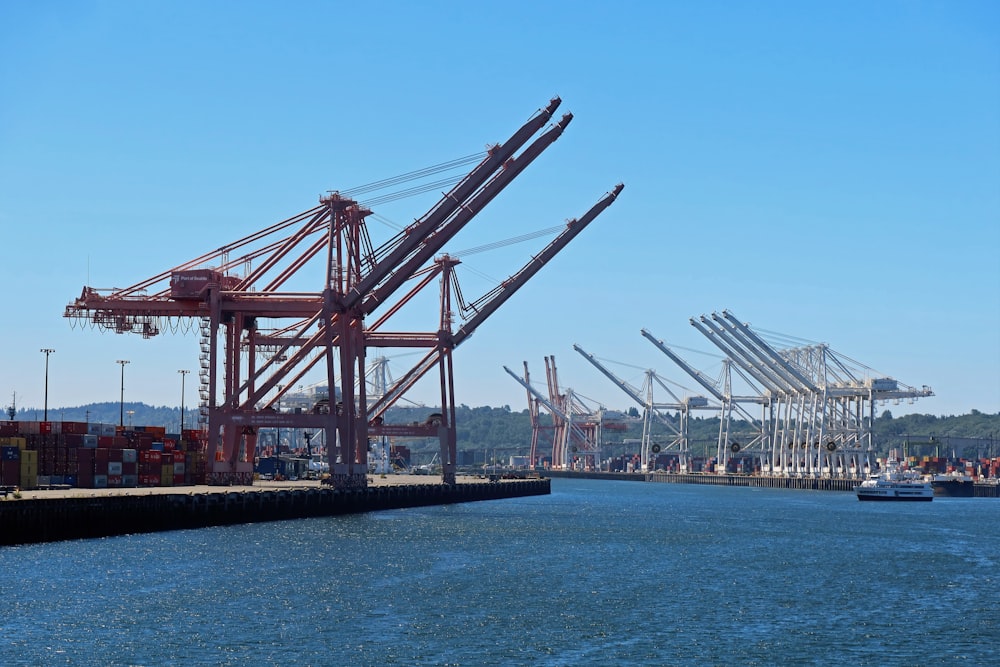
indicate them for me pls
(418, 233)
(716, 335)
(631, 391)
(488, 303)
(650, 410)
(554, 409)
(765, 352)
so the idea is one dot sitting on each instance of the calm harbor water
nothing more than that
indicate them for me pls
(598, 573)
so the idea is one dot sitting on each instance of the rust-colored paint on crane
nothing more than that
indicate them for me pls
(246, 370)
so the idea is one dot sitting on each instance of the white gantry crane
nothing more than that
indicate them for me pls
(643, 397)
(729, 442)
(818, 406)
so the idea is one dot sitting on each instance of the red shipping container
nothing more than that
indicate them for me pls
(115, 455)
(149, 480)
(130, 468)
(150, 456)
(114, 481)
(191, 436)
(74, 428)
(45, 427)
(105, 441)
(10, 473)
(101, 455)
(85, 463)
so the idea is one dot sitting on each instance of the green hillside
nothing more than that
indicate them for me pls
(489, 430)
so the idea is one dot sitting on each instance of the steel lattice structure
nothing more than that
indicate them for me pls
(817, 407)
(576, 429)
(245, 369)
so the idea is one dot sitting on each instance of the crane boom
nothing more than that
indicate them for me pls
(577, 431)
(505, 290)
(698, 376)
(714, 334)
(496, 298)
(633, 394)
(788, 372)
(417, 233)
(440, 235)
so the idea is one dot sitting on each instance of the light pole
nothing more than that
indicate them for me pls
(46, 351)
(121, 415)
(277, 450)
(183, 373)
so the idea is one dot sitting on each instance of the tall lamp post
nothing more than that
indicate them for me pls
(121, 415)
(183, 373)
(46, 351)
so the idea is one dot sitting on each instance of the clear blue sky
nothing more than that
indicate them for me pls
(830, 171)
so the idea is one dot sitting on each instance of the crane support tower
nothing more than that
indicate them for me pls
(817, 406)
(678, 427)
(576, 428)
(246, 368)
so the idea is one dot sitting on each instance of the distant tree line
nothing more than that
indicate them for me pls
(508, 433)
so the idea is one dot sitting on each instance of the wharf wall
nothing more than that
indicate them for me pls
(67, 518)
(756, 481)
(761, 482)
(716, 480)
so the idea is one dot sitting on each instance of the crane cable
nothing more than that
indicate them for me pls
(414, 175)
(516, 239)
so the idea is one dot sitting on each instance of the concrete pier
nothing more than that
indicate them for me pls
(47, 516)
(757, 481)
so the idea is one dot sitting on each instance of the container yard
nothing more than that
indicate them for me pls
(97, 456)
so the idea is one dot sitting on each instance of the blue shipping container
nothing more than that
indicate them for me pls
(10, 453)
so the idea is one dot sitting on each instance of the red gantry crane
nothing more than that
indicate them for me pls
(245, 369)
(576, 429)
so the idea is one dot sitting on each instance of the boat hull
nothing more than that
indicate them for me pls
(953, 489)
(888, 498)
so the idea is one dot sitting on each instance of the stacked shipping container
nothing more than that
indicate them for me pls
(40, 454)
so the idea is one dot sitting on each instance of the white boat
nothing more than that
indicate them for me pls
(895, 484)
